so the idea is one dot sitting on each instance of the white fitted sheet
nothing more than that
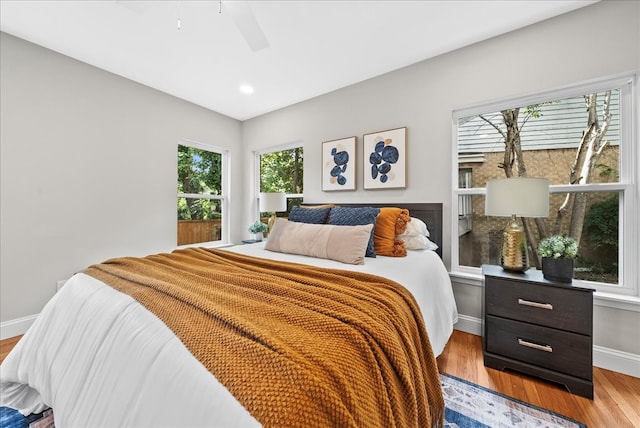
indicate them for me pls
(100, 359)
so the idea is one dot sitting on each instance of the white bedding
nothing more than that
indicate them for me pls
(100, 359)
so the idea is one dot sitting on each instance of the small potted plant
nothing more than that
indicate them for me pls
(258, 228)
(557, 254)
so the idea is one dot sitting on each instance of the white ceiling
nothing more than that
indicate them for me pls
(314, 47)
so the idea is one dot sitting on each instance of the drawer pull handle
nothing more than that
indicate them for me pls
(535, 304)
(545, 348)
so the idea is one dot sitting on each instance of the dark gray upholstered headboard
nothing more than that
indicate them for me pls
(429, 212)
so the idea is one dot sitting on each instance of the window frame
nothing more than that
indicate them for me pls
(224, 189)
(465, 205)
(628, 280)
(257, 172)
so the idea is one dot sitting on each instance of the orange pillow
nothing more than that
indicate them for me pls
(390, 222)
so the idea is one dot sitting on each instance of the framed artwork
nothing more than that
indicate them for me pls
(339, 164)
(385, 159)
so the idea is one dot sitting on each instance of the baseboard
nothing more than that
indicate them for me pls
(618, 361)
(606, 358)
(16, 327)
(469, 325)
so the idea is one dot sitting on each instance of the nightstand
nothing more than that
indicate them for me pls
(538, 327)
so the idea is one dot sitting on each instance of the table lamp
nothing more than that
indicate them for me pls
(272, 202)
(512, 197)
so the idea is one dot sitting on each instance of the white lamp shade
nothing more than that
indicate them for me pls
(273, 202)
(520, 196)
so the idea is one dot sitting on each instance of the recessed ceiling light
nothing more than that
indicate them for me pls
(246, 89)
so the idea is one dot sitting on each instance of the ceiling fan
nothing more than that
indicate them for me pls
(245, 20)
(239, 10)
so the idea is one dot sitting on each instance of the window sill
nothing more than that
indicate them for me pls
(611, 300)
(618, 301)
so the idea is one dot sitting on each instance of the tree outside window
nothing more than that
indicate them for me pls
(573, 141)
(282, 171)
(200, 195)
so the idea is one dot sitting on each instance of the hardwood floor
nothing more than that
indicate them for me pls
(616, 400)
(6, 346)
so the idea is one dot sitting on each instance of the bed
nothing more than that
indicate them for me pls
(114, 355)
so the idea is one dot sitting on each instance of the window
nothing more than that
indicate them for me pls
(580, 138)
(281, 170)
(201, 172)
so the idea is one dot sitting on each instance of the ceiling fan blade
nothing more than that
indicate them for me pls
(134, 6)
(246, 22)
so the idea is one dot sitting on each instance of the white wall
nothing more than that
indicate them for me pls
(593, 42)
(88, 169)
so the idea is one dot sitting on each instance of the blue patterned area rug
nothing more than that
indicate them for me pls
(472, 406)
(467, 406)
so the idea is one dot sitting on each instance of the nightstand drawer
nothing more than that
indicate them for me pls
(561, 351)
(563, 308)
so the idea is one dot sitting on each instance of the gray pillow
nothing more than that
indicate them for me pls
(346, 244)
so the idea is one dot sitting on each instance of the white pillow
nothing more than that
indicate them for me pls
(416, 227)
(418, 242)
(415, 236)
(346, 244)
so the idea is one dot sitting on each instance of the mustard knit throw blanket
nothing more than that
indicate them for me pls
(298, 346)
